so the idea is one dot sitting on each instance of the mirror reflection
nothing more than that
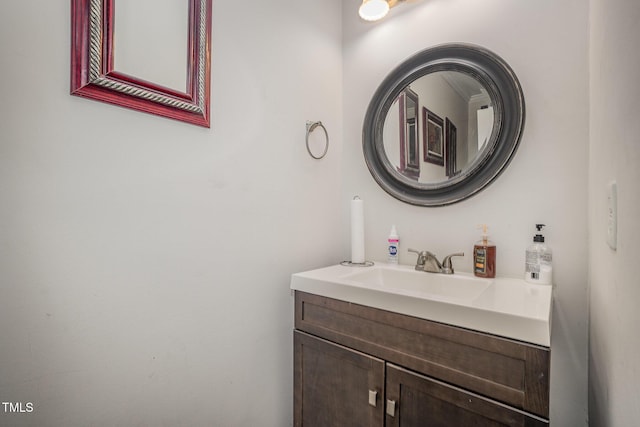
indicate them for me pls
(143, 51)
(438, 126)
(443, 124)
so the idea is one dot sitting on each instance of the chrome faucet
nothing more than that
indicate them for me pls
(429, 262)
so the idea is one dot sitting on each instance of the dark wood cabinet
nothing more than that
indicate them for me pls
(336, 386)
(416, 400)
(360, 366)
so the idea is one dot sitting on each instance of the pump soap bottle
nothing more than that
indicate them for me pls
(484, 256)
(538, 258)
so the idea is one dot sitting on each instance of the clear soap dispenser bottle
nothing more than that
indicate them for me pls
(484, 256)
(538, 260)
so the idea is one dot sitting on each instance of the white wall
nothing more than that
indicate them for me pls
(145, 263)
(614, 373)
(545, 42)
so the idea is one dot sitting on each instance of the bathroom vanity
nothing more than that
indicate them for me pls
(368, 354)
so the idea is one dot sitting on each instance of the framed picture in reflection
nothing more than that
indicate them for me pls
(409, 142)
(432, 137)
(451, 148)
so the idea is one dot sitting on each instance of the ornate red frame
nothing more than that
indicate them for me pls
(93, 75)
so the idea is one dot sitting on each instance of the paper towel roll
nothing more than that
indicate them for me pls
(357, 230)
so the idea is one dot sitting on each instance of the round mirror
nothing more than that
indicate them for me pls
(443, 125)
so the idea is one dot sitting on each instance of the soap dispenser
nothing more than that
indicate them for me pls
(484, 256)
(538, 260)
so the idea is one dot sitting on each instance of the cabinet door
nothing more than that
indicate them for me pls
(335, 386)
(415, 400)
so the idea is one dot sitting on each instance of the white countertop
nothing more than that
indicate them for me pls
(510, 308)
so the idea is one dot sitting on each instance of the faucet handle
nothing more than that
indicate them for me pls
(421, 258)
(447, 266)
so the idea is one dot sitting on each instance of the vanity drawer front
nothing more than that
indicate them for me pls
(505, 370)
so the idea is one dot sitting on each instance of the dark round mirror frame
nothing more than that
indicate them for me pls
(509, 113)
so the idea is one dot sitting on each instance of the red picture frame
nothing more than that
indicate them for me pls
(93, 75)
(432, 137)
(409, 145)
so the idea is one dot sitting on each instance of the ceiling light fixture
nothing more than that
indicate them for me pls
(374, 10)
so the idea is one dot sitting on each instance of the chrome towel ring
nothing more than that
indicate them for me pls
(311, 126)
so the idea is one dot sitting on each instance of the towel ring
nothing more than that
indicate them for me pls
(311, 126)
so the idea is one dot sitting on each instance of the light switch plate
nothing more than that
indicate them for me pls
(612, 215)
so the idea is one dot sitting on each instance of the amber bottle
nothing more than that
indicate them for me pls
(484, 256)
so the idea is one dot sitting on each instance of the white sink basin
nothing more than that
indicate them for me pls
(506, 307)
(442, 286)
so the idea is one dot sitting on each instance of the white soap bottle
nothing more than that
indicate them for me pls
(393, 242)
(538, 261)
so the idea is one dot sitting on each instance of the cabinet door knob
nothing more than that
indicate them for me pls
(391, 408)
(373, 396)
